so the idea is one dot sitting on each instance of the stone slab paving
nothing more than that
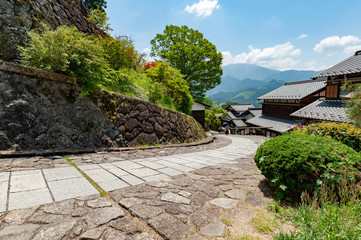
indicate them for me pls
(64, 182)
(171, 208)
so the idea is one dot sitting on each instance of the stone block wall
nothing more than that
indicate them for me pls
(41, 110)
(141, 122)
(17, 17)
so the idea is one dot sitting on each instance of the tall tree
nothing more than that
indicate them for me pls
(194, 56)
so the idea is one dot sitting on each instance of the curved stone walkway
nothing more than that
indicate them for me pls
(28, 188)
(193, 189)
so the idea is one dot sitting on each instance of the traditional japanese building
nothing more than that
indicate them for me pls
(333, 106)
(280, 103)
(198, 111)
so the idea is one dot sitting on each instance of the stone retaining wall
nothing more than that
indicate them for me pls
(17, 17)
(40, 110)
(142, 122)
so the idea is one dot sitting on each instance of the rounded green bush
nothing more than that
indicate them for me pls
(295, 162)
(343, 132)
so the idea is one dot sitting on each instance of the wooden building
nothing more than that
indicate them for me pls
(280, 103)
(198, 111)
(333, 106)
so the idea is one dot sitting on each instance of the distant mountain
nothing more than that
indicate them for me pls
(248, 95)
(235, 85)
(244, 70)
(292, 75)
(246, 82)
(251, 95)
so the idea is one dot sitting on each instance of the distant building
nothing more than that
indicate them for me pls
(238, 109)
(280, 103)
(235, 117)
(333, 106)
(198, 111)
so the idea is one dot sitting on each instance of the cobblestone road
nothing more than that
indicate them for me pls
(165, 197)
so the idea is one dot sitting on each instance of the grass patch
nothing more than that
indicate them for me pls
(95, 185)
(226, 221)
(332, 213)
(248, 192)
(264, 222)
(137, 85)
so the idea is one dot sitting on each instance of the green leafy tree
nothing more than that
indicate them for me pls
(101, 19)
(213, 118)
(168, 88)
(194, 56)
(354, 103)
(207, 101)
(68, 51)
(94, 4)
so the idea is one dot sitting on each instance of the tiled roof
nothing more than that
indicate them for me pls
(239, 123)
(240, 107)
(231, 115)
(275, 124)
(325, 110)
(295, 90)
(256, 112)
(349, 66)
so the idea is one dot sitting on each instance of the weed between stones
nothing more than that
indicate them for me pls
(101, 191)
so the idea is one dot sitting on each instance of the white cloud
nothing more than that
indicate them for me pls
(303, 35)
(279, 57)
(314, 66)
(147, 51)
(334, 44)
(203, 8)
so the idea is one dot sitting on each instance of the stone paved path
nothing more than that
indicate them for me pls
(27, 188)
(193, 192)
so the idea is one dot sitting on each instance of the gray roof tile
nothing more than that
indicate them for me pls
(295, 90)
(240, 107)
(275, 124)
(256, 112)
(349, 66)
(239, 123)
(324, 110)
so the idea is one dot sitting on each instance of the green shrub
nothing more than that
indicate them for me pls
(169, 88)
(213, 118)
(100, 18)
(69, 51)
(294, 162)
(343, 132)
(119, 52)
(354, 104)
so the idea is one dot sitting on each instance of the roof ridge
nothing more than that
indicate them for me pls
(305, 81)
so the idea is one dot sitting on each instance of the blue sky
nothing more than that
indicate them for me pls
(278, 34)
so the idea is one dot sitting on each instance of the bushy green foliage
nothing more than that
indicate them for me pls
(213, 118)
(100, 18)
(119, 52)
(106, 63)
(68, 51)
(168, 88)
(354, 112)
(294, 162)
(194, 56)
(344, 132)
